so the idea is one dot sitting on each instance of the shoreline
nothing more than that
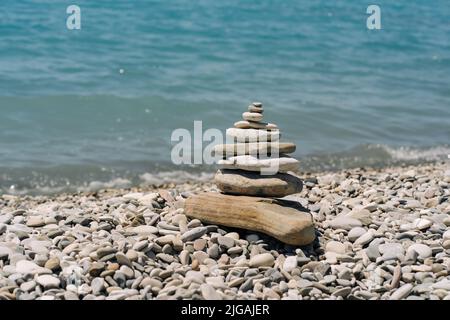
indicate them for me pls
(127, 243)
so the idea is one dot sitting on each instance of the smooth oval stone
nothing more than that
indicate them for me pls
(262, 260)
(243, 124)
(252, 108)
(48, 281)
(335, 246)
(252, 116)
(355, 233)
(257, 104)
(253, 184)
(35, 221)
(254, 148)
(253, 135)
(423, 250)
(251, 163)
(29, 267)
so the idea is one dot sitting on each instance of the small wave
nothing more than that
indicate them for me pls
(174, 177)
(375, 156)
(38, 181)
(413, 154)
(119, 183)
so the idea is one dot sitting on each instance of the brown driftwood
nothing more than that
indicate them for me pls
(284, 220)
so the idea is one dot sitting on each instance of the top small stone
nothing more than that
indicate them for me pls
(257, 104)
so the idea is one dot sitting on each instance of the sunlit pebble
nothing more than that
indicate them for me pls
(121, 71)
(12, 187)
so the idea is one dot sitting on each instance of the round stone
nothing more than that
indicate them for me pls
(422, 250)
(209, 293)
(262, 260)
(35, 221)
(365, 238)
(335, 246)
(446, 235)
(355, 233)
(48, 281)
(52, 264)
(28, 286)
(254, 184)
(200, 244)
(422, 224)
(226, 242)
(391, 251)
(122, 259)
(132, 255)
(97, 285)
(446, 244)
(29, 267)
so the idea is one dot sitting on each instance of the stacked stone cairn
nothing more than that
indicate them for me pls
(256, 163)
(255, 172)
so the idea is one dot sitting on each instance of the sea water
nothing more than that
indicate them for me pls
(95, 107)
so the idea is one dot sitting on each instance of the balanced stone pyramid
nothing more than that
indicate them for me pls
(255, 172)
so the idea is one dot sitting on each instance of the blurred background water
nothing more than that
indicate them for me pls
(96, 107)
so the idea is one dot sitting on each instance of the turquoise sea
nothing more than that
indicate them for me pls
(89, 108)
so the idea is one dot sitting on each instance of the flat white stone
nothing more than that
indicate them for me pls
(422, 224)
(28, 267)
(48, 281)
(144, 230)
(365, 238)
(253, 135)
(290, 263)
(422, 250)
(355, 233)
(250, 163)
(344, 223)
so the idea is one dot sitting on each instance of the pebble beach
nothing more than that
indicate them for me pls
(381, 234)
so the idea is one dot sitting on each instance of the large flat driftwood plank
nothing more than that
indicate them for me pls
(282, 220)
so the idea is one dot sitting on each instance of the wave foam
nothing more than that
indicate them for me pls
(412, 154)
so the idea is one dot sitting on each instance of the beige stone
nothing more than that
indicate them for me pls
(284, 220)
(251, 163)
(253, 184)
(252, 116)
